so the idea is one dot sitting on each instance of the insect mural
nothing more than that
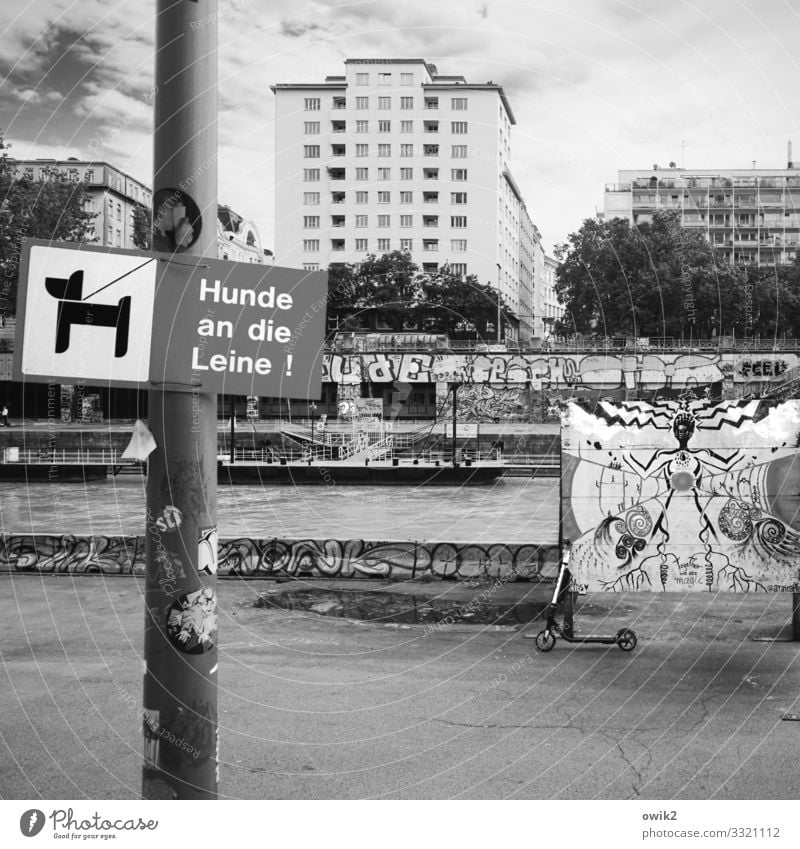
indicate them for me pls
(682, 495)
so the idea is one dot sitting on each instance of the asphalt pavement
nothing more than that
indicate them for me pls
(317, 707)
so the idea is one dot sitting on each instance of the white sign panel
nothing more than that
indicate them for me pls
(83, 324)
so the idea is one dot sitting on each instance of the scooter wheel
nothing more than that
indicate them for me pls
(626, 639)
(545, 640)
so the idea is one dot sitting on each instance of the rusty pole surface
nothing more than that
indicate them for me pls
(180, 685)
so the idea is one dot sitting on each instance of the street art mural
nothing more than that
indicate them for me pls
(682, 495)
(655, 372)
(354, 558)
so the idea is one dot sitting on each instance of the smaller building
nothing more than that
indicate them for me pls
(238, 239)
(547, 308)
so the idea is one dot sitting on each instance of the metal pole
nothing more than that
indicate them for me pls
(180, 685)
(233, 429)
(796, 616)
(455, 405)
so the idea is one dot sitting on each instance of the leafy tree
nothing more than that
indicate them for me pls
(655, 279)
(54, 208)
(458, 306)
(389, 286)
(142, 227)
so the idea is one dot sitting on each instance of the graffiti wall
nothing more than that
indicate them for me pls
(559, 371)
(329, 558)
(684, 495)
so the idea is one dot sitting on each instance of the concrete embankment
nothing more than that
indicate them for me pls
(312, 558)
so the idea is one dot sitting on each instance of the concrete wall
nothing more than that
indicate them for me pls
(329, 558)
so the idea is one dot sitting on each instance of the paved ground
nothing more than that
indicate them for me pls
(315, 707)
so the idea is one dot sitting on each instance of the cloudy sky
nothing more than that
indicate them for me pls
(595, 85)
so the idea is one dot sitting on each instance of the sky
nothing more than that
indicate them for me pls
(595, 85)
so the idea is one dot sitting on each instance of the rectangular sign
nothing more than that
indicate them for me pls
(682, 495)
(115, 317)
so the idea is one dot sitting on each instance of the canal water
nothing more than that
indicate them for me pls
(507, 510)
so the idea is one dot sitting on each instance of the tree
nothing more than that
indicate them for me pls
(458, 305)
(142, 227)
(654, 279)
(54, 208)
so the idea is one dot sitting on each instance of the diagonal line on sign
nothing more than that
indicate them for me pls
(117, 279)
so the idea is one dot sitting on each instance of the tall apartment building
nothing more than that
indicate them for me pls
(750, 215)
(113, 194)
(394, 156)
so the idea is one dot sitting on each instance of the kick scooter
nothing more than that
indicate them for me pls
(546, 639)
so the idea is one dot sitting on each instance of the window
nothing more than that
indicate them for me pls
(310, 175)
(406, 220)
(361, 245)
(457, 221)
(362, 103)
(384, 245)
(384, 150)
(459, 268)
(406, 102)
(406, 244)
(384, 126)
(406, 173)
(458, 104)
(362, 79)
(406, 197)
(310, 245)
(310, 266)
(384, 197)
(311, 151)
(362, 197)
(362, 150)
(384, 79)
(406, 126)
(384, 220)
(311, 128)
(89, 174)
(312, 104)
(73, 175)
(311, 221)
(458, 175)
(384, 103)
(458, 245)
(430, 267)
(384, 173)
(406, 150)
(361, 220)
(458, 151)
(362, 173)
(406, 79)
(458, 128)
(362, 126)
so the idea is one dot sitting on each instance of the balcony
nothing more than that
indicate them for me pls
(430, 197)
(431, 102)
(337, 221)
(430, 245)
(431, 126)
(337, 197)
(338, 150)
(337, 244)
(336, 173)
(430, 149)
(338, 126)
(339, 103)
(430, 173)
(430, 220)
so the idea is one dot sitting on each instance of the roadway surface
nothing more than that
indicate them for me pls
(314, 707)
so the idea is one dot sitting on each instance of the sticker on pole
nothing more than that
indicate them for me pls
(182, 323)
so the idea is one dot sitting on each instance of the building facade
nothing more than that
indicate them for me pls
(238, 239)
(113, 194)
(752, 216)
(394, 156)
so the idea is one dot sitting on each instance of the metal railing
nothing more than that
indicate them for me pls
(63, 457)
